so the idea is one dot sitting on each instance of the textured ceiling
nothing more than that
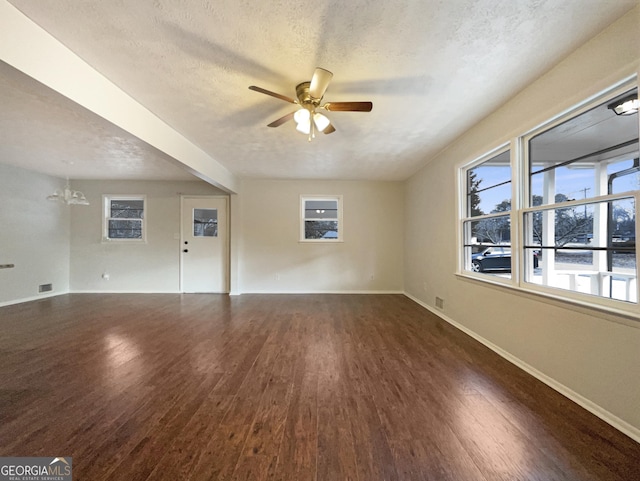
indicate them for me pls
(432, 68)
(43, 131)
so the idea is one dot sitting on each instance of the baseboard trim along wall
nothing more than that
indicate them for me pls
(233, 293)
(318, 292)
(32, 298)
(620, 424)
(123, 292)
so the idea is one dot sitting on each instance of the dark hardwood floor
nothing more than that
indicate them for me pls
(282, 387)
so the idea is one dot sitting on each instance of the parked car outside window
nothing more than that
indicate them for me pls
(495, 258)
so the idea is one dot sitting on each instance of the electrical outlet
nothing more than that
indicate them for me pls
(105, 276)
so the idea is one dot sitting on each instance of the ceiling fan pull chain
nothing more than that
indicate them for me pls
(312, 126)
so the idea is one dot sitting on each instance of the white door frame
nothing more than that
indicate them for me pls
(227, 240)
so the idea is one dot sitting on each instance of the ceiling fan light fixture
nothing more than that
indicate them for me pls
(301, 115)
(304, 127)
(626, 106)
(309, 97)
(322, 122)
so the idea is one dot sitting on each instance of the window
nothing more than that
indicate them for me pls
(569, 229)
(205, 222)
(487, 218)
(321, 218)
(124, 218)
(584, 178)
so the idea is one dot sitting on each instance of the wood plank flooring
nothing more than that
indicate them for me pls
(282, 387)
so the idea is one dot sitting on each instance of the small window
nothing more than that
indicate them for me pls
(487, 217)
(321, 218)
(124, 218)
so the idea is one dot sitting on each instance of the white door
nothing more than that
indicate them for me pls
(203, 244)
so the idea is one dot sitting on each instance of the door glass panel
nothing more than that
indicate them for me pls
(205, 222)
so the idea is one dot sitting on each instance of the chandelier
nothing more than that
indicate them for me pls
(68, 196)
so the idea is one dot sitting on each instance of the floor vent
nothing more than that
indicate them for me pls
(439, 303)
(45, 287)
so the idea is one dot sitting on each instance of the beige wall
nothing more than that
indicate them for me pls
(596, 356)
(153, 266)
(34, 235)
(273, 260)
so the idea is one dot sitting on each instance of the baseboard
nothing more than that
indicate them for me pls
(611, 419)
(122, 292)
(319, 292)
(33, 298)
(232, 293)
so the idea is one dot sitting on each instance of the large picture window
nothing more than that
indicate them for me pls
(584, 177)
(321, 218)
(569, 228)
(124, 218)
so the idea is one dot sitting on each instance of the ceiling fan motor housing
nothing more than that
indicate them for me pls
(304, 97)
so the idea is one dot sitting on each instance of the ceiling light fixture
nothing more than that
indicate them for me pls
(302, 117)
(68, 196)
(309, 97)
(626, 106)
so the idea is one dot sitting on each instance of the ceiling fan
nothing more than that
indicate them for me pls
(309, 97)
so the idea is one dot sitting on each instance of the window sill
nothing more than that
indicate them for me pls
(123, 241)
(621, 316)
(320, 241)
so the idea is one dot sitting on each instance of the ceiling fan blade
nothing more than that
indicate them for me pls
(281, 120)
(329, 129)
(348, 106)
(319, 82)
(273, 94)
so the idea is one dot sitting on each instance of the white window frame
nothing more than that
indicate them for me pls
(106, 216)
(604, 303)
(520, 207)
(303, 220)
(464, 268)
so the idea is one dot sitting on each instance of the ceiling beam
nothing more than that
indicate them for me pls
(30, 49)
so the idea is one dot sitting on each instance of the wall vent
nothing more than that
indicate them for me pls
(45, 287)
(439, 303)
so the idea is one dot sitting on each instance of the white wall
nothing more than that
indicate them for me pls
(153, 266)
(596, 356)
(34, 235)
(273, 260)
